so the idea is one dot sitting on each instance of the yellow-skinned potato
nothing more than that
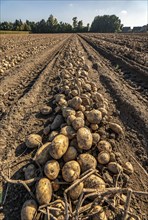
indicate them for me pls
(103, 157)
(70, 154)
(94, 116)
(29, 210)
(59, 146)
(104, 146)
(66, 111)
(80, 114)
(76, 191)
(114, 167)
(46, 110)
(84, 138)
(94, 182)
(75, 102)
(52, 169)
(33, 141)
(68, 131)
(44, 191)
(87, 161)
(71, 171)
(116, 128)
(42, 155)
(99, 213)
(128, 168)
(96, 138)
(78, 123)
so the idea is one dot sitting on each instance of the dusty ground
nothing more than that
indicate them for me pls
(27, 86)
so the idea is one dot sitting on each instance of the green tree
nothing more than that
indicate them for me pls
(52, 24)
(106, 24)
(80, 26)
(75, 23)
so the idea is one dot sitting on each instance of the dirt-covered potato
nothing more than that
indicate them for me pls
(94, 182)
(104, 146)
(94, 116)
(82, 108)
(94, 127)
(59, 210)
(70, 154)
(128, 168)
(29, 171)
(43, 191)
(33, 141)
(103, 157)
(66, 111)
(104, 111)
(52, 169)
(84, 138)
(80, 114)
(62, 102)
(46, 110)
(68, 131)
(59, 146)
(57, 122)
(116, 128)
(42, 155)
(76, 191)
(70, 118)
(52, 135)
(114, 167)
(71, 171)
(96, 138)
(75, 102)
(99, 213)
(78, 123)
(86, 161)
(29, 210)
(85, 99)
(59, 96)
(74, 92)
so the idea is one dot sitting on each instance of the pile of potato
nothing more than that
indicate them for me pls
(79, 137)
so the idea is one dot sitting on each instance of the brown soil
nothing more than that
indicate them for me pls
(27, 87)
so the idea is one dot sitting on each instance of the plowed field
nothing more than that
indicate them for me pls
(31, 70)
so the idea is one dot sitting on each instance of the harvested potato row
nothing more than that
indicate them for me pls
(79, 139)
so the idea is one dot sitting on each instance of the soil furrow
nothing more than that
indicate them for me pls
(135, 76)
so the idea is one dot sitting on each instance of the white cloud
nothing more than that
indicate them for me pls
(124, 12)
(70, 5)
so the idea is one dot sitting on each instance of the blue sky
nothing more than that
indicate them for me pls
(131, 12)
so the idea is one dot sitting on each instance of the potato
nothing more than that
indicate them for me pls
(81, 108)
(57, 122)
(68, 131)
(42, 155)
(29, 210)
(94, 182)
(30, 171)
(70, 118)
(46, 110)
(80, 114)
(58, 212)
(76, 191)
(44, 191)
(94, 116)
(104, 146)
(96, 138)
(104, 111)
(98, 97)
(114, 167)
(70, 154)
(85, 99)
(74, 92)
(33, 141)
(128, 168)
(52, 135)
(71, 171)
(59, 146)
(94, 127)
(103, 157)
(47, 129)
(84, 138)
(59, 96)
(87, 161)
(78, 123)
(116, 128)
(66, 111)
(75, 102)
(99, 213)
(52, 169)
(62, 102)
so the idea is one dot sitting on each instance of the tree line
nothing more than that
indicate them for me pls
(101, 24)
